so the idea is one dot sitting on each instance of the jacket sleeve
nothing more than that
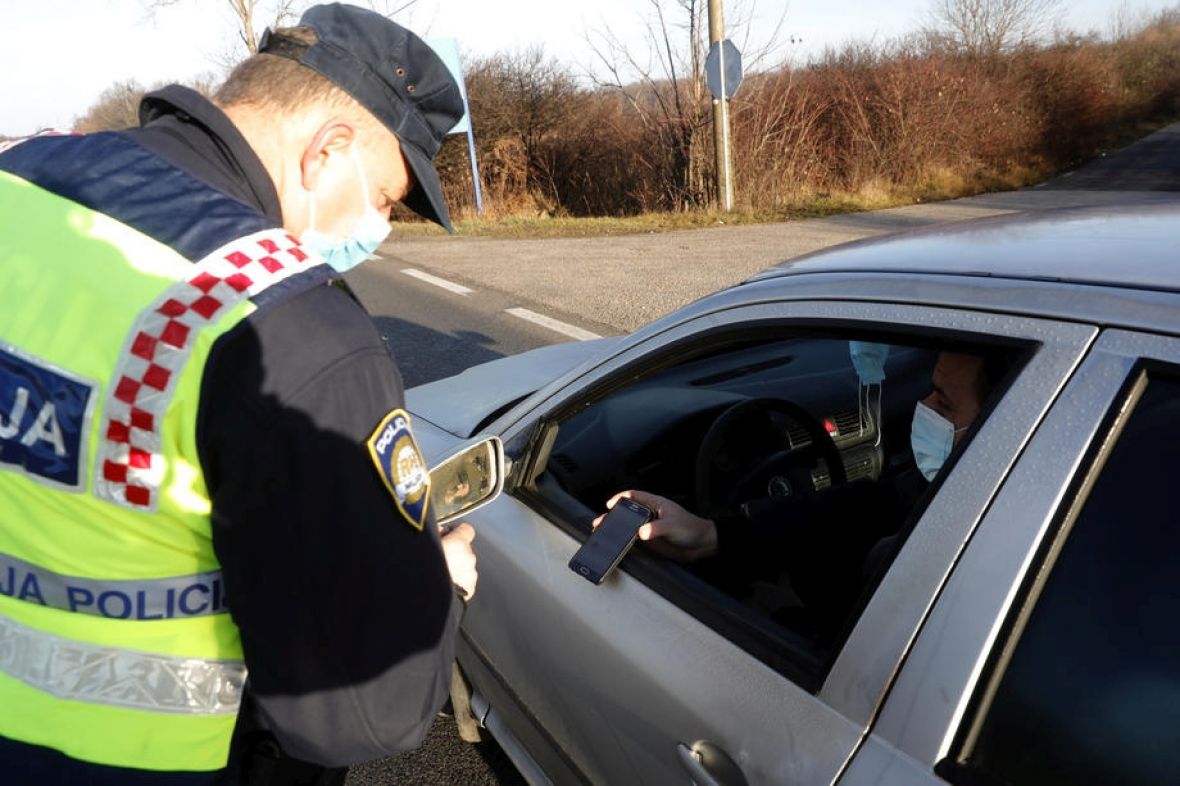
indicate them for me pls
(345, 606)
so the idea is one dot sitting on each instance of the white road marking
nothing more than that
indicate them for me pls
(553, 324)
(556, 325)
(450, 286)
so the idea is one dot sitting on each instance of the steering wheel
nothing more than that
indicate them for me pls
(770, 455)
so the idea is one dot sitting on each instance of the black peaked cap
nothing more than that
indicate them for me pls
(392, 73)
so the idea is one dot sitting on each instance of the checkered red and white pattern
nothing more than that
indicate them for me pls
(10, 143)
(129, 466)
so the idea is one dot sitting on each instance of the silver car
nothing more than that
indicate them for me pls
(1013, 621)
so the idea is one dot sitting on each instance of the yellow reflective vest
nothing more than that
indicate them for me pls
(116, 645)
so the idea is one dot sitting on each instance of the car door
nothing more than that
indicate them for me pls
(1050, 656)
(620, 683)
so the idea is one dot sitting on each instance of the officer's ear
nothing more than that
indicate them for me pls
(331, 139)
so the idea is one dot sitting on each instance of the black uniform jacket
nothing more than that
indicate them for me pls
(829, 546)
(347, 612)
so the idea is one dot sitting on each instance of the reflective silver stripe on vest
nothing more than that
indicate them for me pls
(138, 599)
(77, 671)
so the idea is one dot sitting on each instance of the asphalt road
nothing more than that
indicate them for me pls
(443, 760)
(623, 282)
(435, 332)
(461, 304)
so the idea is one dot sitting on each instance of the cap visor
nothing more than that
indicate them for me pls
(426, 197)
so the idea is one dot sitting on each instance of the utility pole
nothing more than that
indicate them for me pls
(723, 161)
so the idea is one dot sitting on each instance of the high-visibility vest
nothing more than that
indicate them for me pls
(116, 645)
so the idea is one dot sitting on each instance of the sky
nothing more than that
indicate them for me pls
(57, 56)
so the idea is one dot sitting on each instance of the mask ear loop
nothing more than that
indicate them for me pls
(861, 402)
(311, 210)
(867, 414)
(311, 207)
(360, 171)
(877, 415)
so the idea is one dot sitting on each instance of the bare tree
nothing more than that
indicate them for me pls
(665, 89)
(665, 86)
(248, 16)
(252, 17)
(117, 107)
(987, 28)
(528, 97)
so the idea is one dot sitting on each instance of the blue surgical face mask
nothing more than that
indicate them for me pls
(869, 361)
(931, 438)
(367, 236)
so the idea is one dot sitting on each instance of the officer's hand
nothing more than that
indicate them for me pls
(460, 558)
(673, 531)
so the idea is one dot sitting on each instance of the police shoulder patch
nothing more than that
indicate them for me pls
(401, 466)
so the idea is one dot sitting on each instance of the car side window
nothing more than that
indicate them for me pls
(1087, 689)
(808, 475)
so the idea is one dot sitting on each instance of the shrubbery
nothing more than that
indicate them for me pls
(920, 118)
(913, 118)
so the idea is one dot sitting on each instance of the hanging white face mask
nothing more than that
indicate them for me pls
(869, 361)
(367, 235)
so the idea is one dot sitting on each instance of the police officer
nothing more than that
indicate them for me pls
(217, 558)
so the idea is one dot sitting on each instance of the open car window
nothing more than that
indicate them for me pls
(807, 473)
(648, 435)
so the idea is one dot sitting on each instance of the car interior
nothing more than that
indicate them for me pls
(733, 425)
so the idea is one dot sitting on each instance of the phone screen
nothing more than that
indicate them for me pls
(606, 546)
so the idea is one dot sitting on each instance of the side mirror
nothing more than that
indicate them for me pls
(468, 479)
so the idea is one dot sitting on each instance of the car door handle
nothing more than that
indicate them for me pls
(709, 765)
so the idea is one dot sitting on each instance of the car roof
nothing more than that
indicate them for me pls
(1133, 246)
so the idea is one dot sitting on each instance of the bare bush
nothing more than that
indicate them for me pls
(907, 119)
(988, 28)
(665, 91)
(910, 117)
(1147, 56)
(778, 150)
(117, 107)
(521, 102)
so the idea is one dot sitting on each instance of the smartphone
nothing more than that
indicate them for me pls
(609, 543)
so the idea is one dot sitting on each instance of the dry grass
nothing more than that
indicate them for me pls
(876, 197)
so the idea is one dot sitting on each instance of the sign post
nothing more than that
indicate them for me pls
(723, 74)
(448, 50)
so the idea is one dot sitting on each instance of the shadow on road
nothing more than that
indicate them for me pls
(443, 760)
(884, 220)
(424, 354)
(1151, 164)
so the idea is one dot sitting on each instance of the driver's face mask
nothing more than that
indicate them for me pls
(370, 231)
(869, 361)
(931, 437)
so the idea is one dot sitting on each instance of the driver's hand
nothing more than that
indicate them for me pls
(673, 531)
